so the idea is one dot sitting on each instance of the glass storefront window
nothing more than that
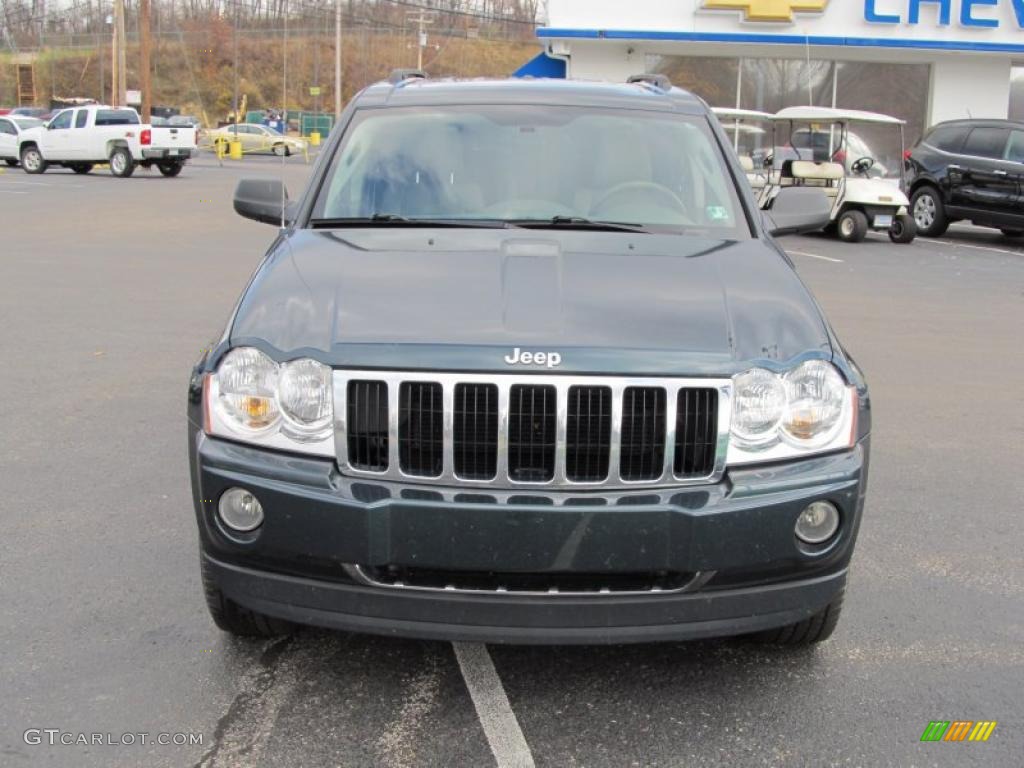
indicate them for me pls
(768, 85)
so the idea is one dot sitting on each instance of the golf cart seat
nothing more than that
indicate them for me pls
(757, 181)
(811, 174)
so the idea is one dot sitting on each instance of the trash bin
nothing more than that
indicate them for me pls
(314, 138)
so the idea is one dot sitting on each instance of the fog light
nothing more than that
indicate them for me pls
(818, 523)
(240, 510)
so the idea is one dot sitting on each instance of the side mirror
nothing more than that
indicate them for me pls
(798, 209)
(263, 200)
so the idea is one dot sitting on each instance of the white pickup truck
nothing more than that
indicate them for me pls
(81, 137)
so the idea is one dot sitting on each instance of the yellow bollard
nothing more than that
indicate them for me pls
(314, 138)
(235, 148)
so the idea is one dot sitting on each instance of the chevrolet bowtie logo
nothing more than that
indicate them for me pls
(767, 10)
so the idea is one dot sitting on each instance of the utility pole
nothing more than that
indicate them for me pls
(234, 98)
(103, 75)
(284, 74)
(112, 20)
(421, 19)
(337, 60)
(120, 65)
(145, 42)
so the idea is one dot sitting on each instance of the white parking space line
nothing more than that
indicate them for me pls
(975, 247)
(14, 191)
(814, 256)
(504, 735)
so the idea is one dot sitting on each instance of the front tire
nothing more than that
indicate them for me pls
(852, 226)
(929, 212)
(170, 169)
(32, 160)
(233, 618)
(903, 229)
(281, 150)
(815, 629)
(121, 163)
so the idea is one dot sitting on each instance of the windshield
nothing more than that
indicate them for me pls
(27, 122)
(272, 131)
(533, 163)
(879, 144)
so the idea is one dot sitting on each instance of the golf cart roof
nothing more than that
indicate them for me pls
(829, 115)
(730, 113)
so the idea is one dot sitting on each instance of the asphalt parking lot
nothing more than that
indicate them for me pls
(110, 288)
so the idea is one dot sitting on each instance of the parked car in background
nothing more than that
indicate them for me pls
(969, 170)
(257, 138)
(80, 138)
(11, 128)
(189, 121)
(38, 112)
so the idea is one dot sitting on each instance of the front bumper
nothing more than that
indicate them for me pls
(736, 537)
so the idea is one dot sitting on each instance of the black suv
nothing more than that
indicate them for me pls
(525, 364)
(968, 169)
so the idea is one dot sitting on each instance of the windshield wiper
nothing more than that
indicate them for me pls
(576, 222)
(394, 220)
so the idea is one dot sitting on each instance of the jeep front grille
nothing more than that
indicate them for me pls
(514, 431)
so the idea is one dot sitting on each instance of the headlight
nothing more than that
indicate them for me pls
(288, 407)
(809, 409)
(248, 389)
(304, 391)
(759, 401)
(815, 395)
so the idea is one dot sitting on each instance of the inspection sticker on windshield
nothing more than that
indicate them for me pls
(717, 213)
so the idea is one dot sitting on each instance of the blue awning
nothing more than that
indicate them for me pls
(542, 65)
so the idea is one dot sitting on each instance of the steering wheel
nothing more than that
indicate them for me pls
(863, 165)
(630, 189)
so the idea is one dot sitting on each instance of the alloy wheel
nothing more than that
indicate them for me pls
(924, 211)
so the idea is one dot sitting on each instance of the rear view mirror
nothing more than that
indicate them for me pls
(798, 209)
(263, 200)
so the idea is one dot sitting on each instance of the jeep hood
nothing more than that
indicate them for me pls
(461, 299)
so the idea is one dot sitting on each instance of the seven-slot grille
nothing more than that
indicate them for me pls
(507, 431)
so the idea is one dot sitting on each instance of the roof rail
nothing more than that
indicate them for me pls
(401, 75)
(661, 82)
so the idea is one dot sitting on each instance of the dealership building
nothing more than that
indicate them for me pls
(922, 60)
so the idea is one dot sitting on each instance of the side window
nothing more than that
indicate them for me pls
(81, 117)
(63, 120)
(986, 142)
(948, 138)
(1015, 149)
(6, 127)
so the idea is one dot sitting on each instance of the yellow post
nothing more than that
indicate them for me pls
(218, 147)
(314, 138)
(235, 150)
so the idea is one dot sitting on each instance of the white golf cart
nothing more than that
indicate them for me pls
(815, 147)
(749, 131)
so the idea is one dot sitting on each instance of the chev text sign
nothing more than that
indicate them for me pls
(993, 26)
(984, 14)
